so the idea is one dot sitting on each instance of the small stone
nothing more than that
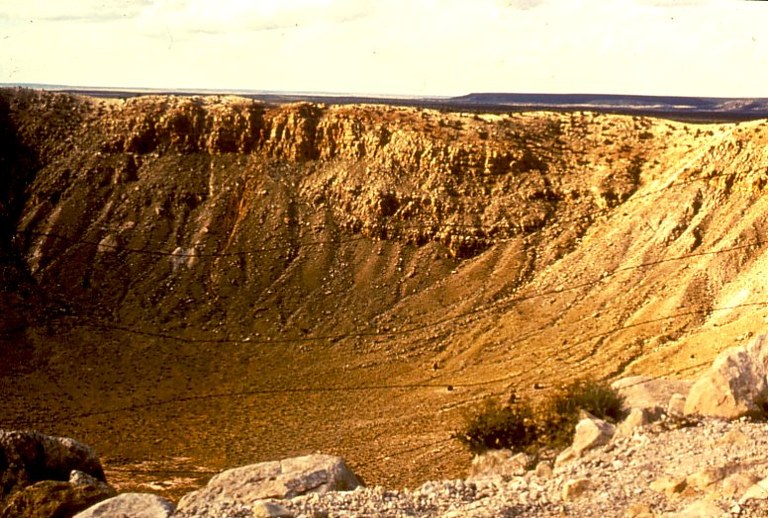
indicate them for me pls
(575, 488)
(270, 510)
(701, 509)
(565, 456)
(668, 485)
(636, 418)
(734, 436)
(638, 511)
(676, 405)
(80, 478)
(734, 486)
(705, 477)
(758, 491)
(543, 470)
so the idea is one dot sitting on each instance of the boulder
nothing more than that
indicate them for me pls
(30, 457)
(735, 385)
(591, 433)
(130, 505)
(270, 480)
(649, 393)
(53, 498)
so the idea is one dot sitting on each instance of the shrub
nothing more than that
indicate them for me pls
(519, 428)
(560, 413)
(493, 426)
(595, 397)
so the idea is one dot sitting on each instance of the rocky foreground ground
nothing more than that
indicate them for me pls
(705, 469)
(674, 467)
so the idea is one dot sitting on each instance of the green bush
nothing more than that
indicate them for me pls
(493, 426)
(519, 428)
(560, 413)
(595, 397)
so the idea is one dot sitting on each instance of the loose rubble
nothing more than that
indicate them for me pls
(669, 468)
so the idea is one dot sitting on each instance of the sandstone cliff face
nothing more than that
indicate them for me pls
(187, 247)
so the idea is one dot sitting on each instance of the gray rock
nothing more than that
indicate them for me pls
(130, 505)
(735, 385)
(52, 498)
(591, 433)
(30, 457)
(271, 480)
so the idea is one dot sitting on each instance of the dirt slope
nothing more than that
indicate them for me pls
(196, 283)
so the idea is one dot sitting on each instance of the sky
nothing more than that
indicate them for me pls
(713, 48)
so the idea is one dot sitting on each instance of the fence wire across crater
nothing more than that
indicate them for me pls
(445, 381)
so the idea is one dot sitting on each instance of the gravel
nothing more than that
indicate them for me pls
(615, 480)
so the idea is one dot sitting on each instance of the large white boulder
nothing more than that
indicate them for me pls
(735, 385)
(281, 479)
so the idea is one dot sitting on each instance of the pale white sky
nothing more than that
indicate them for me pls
(405, 47)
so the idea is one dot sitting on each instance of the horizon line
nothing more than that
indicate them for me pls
(255, 91)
